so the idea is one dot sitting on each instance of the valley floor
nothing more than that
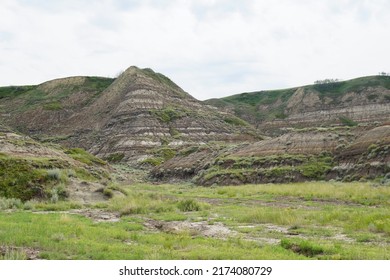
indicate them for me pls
(313, 220)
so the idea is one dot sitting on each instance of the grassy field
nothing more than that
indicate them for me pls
(318, 220)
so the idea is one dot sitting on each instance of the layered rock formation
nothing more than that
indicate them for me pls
(125, 117)
(360, 101)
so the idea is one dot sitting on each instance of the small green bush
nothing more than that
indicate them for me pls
(114, 158)
(155, 161)
(235, 121)
(188, 205)
(84, 157)
(54, 174)
(346, 121)
(169, 114)
(10, 203)
(53, 106)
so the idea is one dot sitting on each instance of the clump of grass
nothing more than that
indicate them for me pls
(188, 205)
(141, 203)
(53, 106)
(187, 151)
(169, 114)
(317, 167)
(347, 121)
(108, 193)
(302, 247)
(153, 161)
(159, 156)
(59, 175)
(235, 121)
(84, 157)
(115, 158)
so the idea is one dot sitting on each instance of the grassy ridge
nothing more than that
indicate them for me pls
(248, 105)
(36, 96)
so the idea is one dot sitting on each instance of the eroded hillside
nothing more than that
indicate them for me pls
(123, 119)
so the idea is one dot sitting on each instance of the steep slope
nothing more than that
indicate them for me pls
(125, 118)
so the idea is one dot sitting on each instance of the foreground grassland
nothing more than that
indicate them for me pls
(315, 220)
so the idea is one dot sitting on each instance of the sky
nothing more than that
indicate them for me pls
(210, 48)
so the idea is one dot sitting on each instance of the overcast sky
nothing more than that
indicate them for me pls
(210, 48)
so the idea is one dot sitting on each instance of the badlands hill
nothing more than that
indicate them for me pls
(336, 130)
(120, 119)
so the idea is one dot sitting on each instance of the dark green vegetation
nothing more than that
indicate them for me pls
(13, 91)
(295, 221)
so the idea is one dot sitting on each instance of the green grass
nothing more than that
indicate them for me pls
(318, 220)
(52, 100)
(235, 121)
(250, 105)
(347, 122)
(84, 157)
(14, 91)
(159, 156)
(52, 106)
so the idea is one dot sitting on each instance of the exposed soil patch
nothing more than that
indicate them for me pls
(217, 230)
(85, 192)
(97, 215)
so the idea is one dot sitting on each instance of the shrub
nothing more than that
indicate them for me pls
(188, 205)
(169, 114)
(154, 161)
(53, 106)
(54, 174)
(114, 158)
(235, 121)
(10, 203)
(84, 157)
(108, 192)
(346, 121)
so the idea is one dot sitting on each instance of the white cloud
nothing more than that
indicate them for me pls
(210, 48)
